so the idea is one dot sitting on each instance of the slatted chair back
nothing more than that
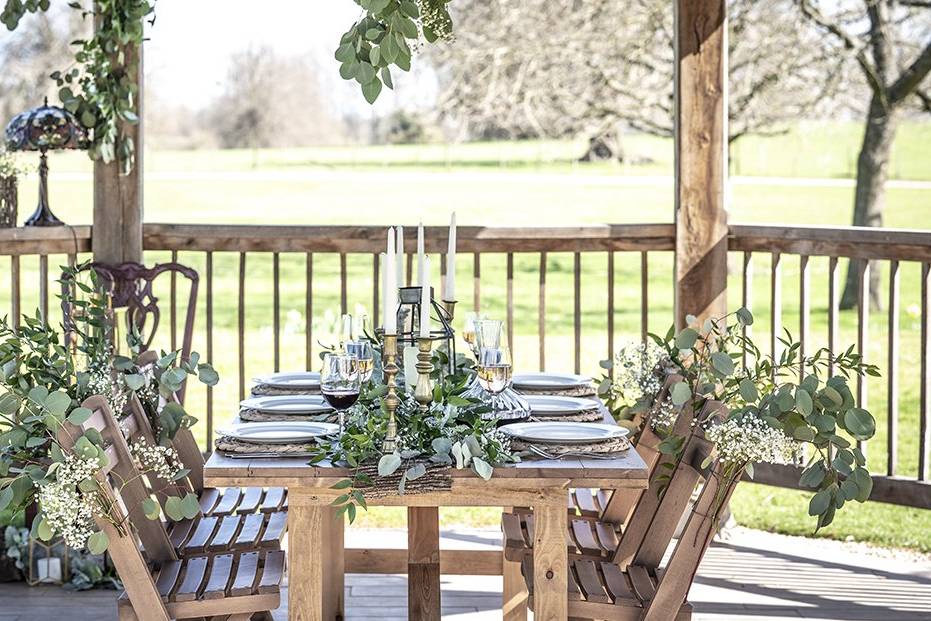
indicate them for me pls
(183, 442)
(131, 286)
(652, 522)
(674, 582)
(620, 506)
(117, 480)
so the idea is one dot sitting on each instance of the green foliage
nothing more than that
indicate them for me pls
(379, 40)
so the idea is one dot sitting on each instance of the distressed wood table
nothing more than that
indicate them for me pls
(316, 557)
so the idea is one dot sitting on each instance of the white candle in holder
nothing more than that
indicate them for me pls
(450, 293)
(400, 265)
(410, 365)
(425, 300)
(383, 268)
(390, 320)
(420, 254)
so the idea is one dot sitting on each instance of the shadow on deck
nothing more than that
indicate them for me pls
(750, 575)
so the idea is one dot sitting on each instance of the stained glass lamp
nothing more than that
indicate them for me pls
(43, 129)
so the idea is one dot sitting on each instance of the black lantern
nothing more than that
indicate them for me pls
(43, 129)
(409, 299)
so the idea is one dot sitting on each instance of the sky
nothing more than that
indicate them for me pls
(190, 45)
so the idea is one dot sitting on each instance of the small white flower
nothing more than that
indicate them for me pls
(749, 439)
(68, 511)
(163, 461)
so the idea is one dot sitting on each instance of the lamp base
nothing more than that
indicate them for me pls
(43, 216)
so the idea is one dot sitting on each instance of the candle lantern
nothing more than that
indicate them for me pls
(409, 319)
(48, 562)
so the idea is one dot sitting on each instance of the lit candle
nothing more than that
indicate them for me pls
(450, 293)
(425, 300)
(400, 282)
(391, 287)
(420, 254)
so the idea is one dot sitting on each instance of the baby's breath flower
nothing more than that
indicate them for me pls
(750, 439)
(664, 415)
(637, 372)
(66, 510)
(163, 461)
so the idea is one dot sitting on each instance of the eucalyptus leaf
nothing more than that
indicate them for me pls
(748, 390)
(860, 423)
(686, 339)
(482, 468)
(98, 542)
(680, 393)
(820, 502)
(388, 464)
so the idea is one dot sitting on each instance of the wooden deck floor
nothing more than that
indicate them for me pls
(749, 576)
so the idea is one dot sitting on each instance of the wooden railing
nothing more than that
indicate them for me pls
(339, 265)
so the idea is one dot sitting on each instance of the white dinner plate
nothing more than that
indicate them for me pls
(549, 405)
(564, 433)
(551, 381)
(288, 404)
(278, 433)
(294, 379)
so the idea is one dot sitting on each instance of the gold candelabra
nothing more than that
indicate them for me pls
(423, 392)
(450, 306)
(391, 399)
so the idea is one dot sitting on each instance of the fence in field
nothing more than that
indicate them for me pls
(906, 479)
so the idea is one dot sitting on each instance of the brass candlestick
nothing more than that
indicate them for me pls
(423, 392)
(450, 306)
(390, 444)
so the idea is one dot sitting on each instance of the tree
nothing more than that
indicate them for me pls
(559, 68)
(890, 40)
(270, 101)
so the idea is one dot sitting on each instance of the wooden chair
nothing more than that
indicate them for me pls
(598, 517)
(233, 586)
(620, 590)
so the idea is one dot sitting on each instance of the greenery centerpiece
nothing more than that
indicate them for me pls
(787, 409)
(45, 376)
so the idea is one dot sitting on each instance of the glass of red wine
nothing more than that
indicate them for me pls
(340, 381)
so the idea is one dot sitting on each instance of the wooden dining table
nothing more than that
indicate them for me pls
(315, 533)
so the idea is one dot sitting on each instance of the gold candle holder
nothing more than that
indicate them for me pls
(423, 392)
(450, 306)
(390, 444)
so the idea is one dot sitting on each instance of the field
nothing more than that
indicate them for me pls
(799, 178)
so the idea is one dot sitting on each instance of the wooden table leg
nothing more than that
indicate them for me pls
(550, 560)
(423, 563)
(334, 585)
(306, 561)
(514, 593)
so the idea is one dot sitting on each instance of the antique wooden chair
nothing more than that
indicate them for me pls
(232, 586)
(628, 588)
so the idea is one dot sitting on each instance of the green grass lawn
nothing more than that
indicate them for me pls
(513, 184)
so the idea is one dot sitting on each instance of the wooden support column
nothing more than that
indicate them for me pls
(117, 232)
(423, 558)
(701, 158)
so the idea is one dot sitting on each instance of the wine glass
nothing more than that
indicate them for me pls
(494, 369)
(487, 335)
(345, 329)
(340, 382)
(363, 352)
(468, 330)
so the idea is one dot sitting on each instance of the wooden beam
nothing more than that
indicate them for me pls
(117, 233)
(701, 157)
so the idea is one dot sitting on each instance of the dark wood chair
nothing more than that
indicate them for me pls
(634, 587)
(231, 585)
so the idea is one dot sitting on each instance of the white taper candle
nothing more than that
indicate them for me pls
(450, 293)
(425, 300)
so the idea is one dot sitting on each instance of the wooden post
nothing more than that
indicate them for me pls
(117, 233)
(701, 158)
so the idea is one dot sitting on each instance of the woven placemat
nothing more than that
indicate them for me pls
(264, 390)
(585, 416)
(614, 445)
(576, 391)
(255, 416)
(230, 445)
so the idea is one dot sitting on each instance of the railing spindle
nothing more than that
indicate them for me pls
(43, 287)
(892, 371)
(242, 326)
(343, 277)
(804, 311)
(577, 308)
(611, 307)
(309, 313)
(510, 301)
(644, 296)
(476, 281)
(14, 291)
(541, 311)
(209, 347)
(173, 307)
(776, 306)
(833, 310)
(924, 431)
(863, 333)
(746, 299)
(276, 309)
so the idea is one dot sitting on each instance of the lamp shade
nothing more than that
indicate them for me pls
(45, 128)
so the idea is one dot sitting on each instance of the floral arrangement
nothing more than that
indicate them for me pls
(771, 416)
(43, 379)
(451, 434)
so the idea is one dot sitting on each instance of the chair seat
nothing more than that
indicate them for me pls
(242, 500)
(586, 538)
(217, 534)
(601, 590)
(236, 583)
